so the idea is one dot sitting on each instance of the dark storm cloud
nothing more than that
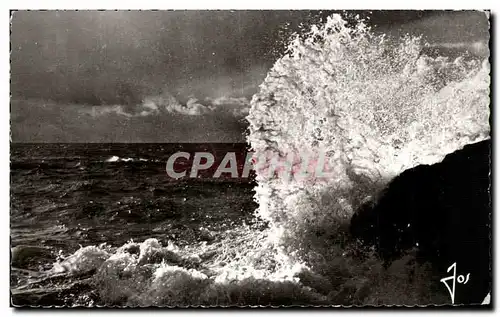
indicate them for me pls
(117, 57)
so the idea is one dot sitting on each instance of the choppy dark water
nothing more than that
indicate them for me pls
(64, 196)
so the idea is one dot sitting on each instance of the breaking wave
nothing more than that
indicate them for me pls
(115, 158)
(376, 106)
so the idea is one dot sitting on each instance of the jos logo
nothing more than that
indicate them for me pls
(460, 279)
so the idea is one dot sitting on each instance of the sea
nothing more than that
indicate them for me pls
(65, 196)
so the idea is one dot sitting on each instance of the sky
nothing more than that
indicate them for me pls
(169, 76)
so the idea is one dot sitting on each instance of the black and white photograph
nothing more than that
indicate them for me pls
(251, 158)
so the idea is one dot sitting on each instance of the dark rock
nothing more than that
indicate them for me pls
(445, 211)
